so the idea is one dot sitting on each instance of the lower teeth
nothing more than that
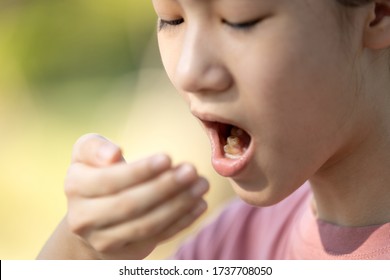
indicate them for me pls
(233, 149)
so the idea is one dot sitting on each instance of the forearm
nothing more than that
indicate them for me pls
(65, 245)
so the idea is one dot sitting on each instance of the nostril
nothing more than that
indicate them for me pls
(209, 81)
(201, 69)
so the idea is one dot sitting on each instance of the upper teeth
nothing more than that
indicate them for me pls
(235, 131)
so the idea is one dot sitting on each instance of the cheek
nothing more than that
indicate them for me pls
(301, 108)
(170, 56)
(298, 88)
(300, 100)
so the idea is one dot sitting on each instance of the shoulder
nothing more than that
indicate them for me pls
(242, 231)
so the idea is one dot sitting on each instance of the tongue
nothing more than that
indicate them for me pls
(237, 143)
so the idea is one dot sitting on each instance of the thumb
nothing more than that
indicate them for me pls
(95, 150)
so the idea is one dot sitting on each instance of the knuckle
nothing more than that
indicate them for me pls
(104, 179)
(138, 173)
(184, 206)
(145, 230)
(71, 183)
(168, 180)
(184, 202)
(128, 206)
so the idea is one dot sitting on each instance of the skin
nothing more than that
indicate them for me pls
(291, 80)
(119, 210)
(309, 111)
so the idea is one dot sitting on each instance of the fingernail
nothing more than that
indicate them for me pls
(159, 162)
(106, 151)
(200, 188)
(183, 173)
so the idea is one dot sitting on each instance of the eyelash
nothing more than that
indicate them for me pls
(169, 23)
(240, 25)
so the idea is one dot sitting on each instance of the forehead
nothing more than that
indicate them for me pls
(208, 2)
(291, 4)
(211, 4)
(298, 8)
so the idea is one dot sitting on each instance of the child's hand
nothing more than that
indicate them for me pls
(123, 210)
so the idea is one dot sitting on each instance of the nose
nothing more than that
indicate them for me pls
(201, 67)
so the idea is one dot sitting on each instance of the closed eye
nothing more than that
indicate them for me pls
(169, 23)
(242, 25)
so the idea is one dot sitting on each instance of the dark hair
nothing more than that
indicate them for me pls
(354, 3)
(347, 6)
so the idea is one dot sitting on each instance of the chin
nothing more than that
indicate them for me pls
(260, 195)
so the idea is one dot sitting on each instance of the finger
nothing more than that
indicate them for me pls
(95, 150)
(148, 227)
(183, 223)
(134, 203)
(86, 181)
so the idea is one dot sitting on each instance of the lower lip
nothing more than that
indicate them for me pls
(225, 166)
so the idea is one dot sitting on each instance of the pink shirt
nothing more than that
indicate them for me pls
(287, 230)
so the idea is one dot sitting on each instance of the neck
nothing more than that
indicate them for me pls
(355, 189)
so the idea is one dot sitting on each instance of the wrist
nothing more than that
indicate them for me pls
(65, 245)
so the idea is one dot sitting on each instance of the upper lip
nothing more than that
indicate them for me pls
(208, 118)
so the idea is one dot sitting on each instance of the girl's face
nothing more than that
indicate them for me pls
(273, 76)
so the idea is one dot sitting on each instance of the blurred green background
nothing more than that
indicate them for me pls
(72, 67)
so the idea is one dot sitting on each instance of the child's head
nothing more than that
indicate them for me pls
(303, 89)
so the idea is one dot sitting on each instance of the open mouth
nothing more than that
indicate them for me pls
(232, 147)
(230, 141)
